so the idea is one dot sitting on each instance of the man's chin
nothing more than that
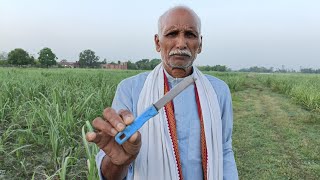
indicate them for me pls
(180, 71)
(180, 66)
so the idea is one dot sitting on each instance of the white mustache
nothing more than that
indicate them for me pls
(183, 52)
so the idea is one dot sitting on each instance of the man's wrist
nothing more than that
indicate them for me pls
(112, 171)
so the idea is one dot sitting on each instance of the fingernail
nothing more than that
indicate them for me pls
(120, 127)
(90, 136)
(128, 118)
(113, 131)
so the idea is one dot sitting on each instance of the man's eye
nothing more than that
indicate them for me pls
(171, 34)
(190, 35)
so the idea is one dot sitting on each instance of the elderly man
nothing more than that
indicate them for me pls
(190, 138)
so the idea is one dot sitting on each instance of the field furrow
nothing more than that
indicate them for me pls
(274, 138)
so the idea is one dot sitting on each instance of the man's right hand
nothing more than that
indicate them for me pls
(106, 128)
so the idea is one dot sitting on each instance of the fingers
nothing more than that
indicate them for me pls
(100, 140)
(104, 133)
(107, 127)
(132, 146)
(94, 137)
(91, 136)
(114, 119)
(126, 116)
(103, 126)
(128, 119)
(120, 120)
(112, 123)
(135, 137)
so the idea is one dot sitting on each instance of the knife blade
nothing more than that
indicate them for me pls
(151, 111)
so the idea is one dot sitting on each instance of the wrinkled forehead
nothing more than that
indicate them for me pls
(179, 18)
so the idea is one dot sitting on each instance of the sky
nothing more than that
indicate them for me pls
(236, 33)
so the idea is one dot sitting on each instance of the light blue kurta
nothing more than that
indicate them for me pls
(187, 123)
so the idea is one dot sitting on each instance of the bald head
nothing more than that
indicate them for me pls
(172, 11)
(179, 40)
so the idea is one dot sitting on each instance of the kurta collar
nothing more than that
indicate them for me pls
(173, 80)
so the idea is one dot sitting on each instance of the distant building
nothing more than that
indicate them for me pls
(67, 64)
(122, 65)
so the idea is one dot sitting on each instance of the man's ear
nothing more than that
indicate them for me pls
(200, 46)
(157, 42)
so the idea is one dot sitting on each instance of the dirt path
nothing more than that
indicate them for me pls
(273, 138)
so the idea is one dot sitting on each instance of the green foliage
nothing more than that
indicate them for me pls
(310, 70)
(91, 151)
(47, 57)
(19, 57)
(145, 64)
(273, 138)
(87, 58)
(44, 114)
(221, 68)
(131, 65)
(236, 81)
(303, 89)
(257, 69)
(41, 117)
(3, 62)
(154, 62)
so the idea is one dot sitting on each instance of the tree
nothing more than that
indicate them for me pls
(131, 65)
(219, 68)
(47, 57)
(3, 62)
(309, 70)
(257, 69)
(19, 56)
(143, 64)
(154, 62)
(87, 58)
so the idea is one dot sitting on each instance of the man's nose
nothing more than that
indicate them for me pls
(181, 42)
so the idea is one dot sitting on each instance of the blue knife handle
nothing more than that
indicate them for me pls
(123, 136)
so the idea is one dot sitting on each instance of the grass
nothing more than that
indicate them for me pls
(274, 138)
(44, 114)
(302, 88)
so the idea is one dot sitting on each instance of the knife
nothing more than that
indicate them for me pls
(151, 111)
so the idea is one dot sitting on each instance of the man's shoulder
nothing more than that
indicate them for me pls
(220, 87)
(217, 83)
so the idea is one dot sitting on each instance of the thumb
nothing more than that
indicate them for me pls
(93, 137)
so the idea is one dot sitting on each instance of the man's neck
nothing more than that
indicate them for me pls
(179, 73)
